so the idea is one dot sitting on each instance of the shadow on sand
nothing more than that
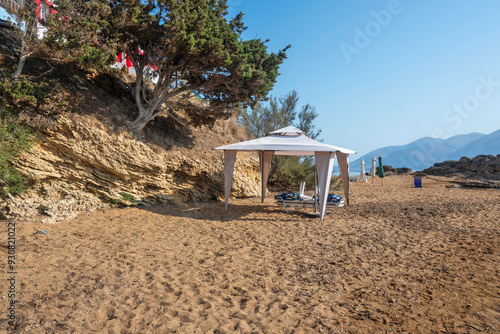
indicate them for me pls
(216, 211)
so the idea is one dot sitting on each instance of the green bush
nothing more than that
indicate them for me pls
(14, 139)
(290, 171)
(120, 201)
(45, 99)
(20, 95)
(129, 198)
(22, 99)
(16, 96)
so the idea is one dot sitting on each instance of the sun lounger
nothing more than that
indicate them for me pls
(293, 201)
(334, 199)
(288, 200)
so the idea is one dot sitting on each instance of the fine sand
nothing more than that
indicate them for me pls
(398, 260)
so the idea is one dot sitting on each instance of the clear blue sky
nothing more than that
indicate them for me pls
(416, 69)
(386, 72)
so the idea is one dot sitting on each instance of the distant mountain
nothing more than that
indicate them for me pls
(487, 145)
(421, 153)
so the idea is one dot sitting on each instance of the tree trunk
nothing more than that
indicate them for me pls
(20, 66)
(139, 124)
(28, 38)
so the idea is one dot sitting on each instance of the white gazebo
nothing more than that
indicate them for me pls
(290, 141)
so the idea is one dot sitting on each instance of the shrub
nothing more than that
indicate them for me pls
(19, 95)
(129, 198)
(120, 201)
(23, 96)
(24, 105)
(22, 102)
(290, 171)
(14, 139)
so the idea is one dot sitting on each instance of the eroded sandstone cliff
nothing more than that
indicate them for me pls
(81, 164)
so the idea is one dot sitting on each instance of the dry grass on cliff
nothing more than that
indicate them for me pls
(105, 103)
(233, 129)
(110, 102)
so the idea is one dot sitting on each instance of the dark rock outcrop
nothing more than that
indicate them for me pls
(480, 167)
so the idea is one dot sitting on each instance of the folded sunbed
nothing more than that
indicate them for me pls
(287, 196)
(334, 199)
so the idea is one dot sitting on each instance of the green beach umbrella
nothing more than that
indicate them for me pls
(381, 173)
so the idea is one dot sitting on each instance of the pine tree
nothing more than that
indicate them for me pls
(191, 47)
(279, 113)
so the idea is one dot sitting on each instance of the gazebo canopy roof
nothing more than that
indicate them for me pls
(286, 141)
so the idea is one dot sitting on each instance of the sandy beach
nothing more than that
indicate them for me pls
(397, 260)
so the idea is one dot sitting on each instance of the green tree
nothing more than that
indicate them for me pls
(263, 119)
(260, 120)
(306, 117)
(82, 31)
(183, 47)
(25, 31)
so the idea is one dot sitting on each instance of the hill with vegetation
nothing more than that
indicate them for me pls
(82, 153)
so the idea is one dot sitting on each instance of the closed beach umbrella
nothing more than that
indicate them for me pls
(373, 170)
(362, 177)
(381, 173)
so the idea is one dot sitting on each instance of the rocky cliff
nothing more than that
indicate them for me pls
(482, 166)
(81, 164)
(482, 171)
